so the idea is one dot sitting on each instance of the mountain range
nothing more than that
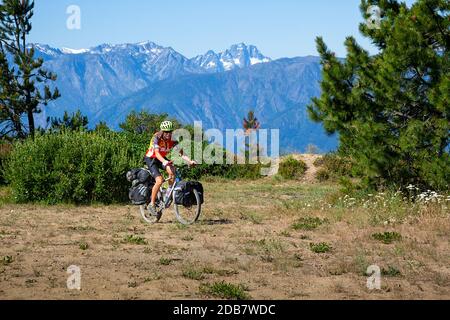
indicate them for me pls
(109, 81)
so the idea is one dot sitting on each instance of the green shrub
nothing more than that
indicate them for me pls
(7, 260)
(322, 175)
(322, 247)
(193, 274)
(84, 246)
(291, 168)
(337, 165)
(227, 171)
(165, 261)
(308, 223)
(225, 290)
(73, 167)
(133, 239)
(387, 237)
(391, 272)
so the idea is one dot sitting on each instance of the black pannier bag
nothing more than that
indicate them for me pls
(132, 174)
(195, 185)
(139, 194)
(143, 175)
(184, 193)
(142, 183)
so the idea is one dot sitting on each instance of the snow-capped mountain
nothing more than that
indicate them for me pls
(74, 51)
(149, 57)
(238, 56)
(45, 51)
(95, 76)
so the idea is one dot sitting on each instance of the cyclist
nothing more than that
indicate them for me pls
(156, 159)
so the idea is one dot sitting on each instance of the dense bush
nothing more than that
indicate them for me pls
(237, 171)
(335, 166)
(76, 167)
(322, 175)
(291, 168)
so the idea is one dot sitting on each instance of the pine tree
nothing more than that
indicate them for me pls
(391, 109)
(251, 125)
(145, 123)
(102, 127)
(251, 122)
(74, 122)
(29, 76)
(10, 112)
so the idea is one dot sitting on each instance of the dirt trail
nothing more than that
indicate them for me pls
(309, 159)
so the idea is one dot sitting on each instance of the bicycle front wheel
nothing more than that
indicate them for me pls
(148, 216)
(188, 215)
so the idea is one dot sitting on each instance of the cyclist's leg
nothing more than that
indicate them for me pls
(153, 166)
(155, 190)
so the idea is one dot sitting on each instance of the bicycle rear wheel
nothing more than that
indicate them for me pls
(188, 215)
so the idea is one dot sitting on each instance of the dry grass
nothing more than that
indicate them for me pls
(245, 240)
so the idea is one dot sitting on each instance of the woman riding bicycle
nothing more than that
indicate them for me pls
(156, 159)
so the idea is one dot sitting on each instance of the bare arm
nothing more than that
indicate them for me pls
(159, 156)
(186, 158)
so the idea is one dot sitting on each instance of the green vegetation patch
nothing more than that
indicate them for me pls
(7, 260)
(133, 239)
(387, 237)
(292, 169)
(225, 290)
(165, 261)
(193, 274)
(308, 223)
(84, 246)
(391, 272)
(322, 247)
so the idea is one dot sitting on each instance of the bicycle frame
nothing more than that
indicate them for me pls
(167, 196)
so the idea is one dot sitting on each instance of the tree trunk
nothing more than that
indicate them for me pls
(31, 123)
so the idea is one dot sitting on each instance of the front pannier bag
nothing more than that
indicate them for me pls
(184, 193)
(195, 185)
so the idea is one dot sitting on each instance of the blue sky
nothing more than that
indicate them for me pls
(279, 28)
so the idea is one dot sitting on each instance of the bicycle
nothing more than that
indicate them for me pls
(165, 198)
